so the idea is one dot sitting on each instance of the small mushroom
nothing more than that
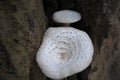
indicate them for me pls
(66, 17)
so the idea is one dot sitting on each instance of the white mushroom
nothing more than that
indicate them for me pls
(64, 52)
(66, 17)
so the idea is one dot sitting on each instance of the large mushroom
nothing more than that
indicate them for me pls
(64, 50)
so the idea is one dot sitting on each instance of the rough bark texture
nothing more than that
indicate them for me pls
(22, 23)
(101, 20)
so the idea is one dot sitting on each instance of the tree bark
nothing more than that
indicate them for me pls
(22, 23)
(104, 19)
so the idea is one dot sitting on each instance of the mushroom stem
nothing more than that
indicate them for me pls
(66, 24)
(58, 79)
(61, 79)
(65, 79)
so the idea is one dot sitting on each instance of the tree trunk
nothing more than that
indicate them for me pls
(104, 19)
(22, 23)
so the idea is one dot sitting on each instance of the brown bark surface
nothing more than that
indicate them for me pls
(22, 23)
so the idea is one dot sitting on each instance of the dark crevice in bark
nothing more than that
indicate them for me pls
(6, 67)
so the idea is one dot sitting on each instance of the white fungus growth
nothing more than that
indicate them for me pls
(66, 16)
(64, 51)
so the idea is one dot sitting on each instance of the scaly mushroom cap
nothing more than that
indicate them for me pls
(66, 16)
(64, 51)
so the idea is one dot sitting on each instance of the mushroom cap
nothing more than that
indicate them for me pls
(64, 51)
(66, 16)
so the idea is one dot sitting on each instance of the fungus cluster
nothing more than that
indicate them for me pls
(64, 50)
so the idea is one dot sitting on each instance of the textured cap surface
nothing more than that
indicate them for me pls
(66, 16)
(64, 51)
